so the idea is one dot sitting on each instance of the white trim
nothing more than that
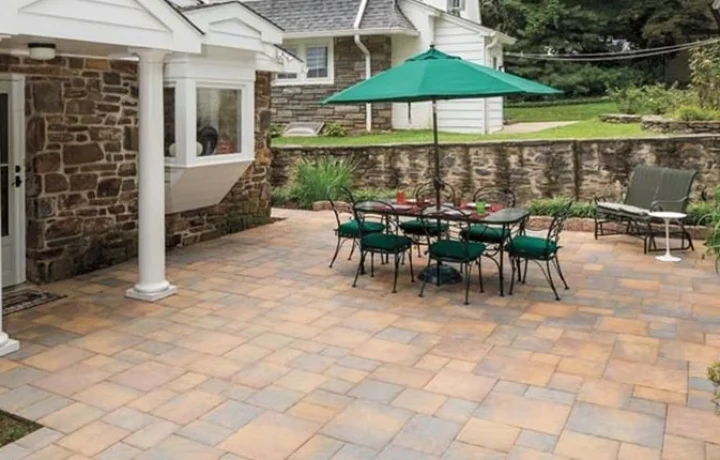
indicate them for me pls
(15, 85)
(462, 22)
(302, 78)
(349, 33)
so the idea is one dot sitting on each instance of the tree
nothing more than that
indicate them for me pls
(589, 26)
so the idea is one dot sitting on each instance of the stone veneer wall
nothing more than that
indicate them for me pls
(248, 202)
(301, 102)
(579, 169)
(81, 168)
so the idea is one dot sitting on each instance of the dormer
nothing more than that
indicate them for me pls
(466, 9)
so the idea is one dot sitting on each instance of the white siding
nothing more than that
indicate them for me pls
(462, 115)
(495, 104)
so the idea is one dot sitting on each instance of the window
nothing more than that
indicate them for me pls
(456, 7)
(169, 110)
(495, 62)
(289, 76)
(318, 58)
(219, 127)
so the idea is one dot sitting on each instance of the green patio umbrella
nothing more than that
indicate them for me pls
(432, 76)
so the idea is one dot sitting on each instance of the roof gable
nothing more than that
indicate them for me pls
(229, 23)
(140, 23)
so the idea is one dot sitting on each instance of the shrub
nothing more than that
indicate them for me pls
(651, 99)
(550, 206)
(318, 179)
(629, 100)
(696, 113)
(705, 75)
(707, 213)
(275, 131)
(279, 196)
(363, 194)
(334, 129)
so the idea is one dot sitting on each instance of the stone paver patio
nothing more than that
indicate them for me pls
(267, 354)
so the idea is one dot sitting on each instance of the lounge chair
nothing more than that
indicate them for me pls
(651, 188)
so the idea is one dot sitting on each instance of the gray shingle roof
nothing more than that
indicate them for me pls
(384, 14)
(330, 15)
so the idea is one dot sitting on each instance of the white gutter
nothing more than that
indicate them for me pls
(346, 32)
(366, 53)
(492, 44)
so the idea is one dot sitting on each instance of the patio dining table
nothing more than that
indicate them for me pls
(504, 218)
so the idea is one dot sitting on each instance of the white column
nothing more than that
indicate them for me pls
(151, 285)
(7, 345)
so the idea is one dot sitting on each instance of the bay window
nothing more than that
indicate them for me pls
(318, 58)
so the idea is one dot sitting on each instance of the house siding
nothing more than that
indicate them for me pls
(81, 168)
(466, 115)
(302, 102)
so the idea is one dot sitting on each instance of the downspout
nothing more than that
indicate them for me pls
(492, 44)
(366, 53)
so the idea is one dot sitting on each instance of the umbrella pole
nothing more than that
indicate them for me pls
(436, 149)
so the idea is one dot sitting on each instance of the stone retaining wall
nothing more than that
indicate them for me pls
(580, 169)
(663, 125)
(302, 102)
(81, 168)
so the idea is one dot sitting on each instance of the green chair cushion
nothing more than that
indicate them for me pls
(350, 229)
(458, 251)
(486, 234)
(532, 247)
(418, 227)
(385, 242)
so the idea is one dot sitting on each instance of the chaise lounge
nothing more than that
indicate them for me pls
(652, 188)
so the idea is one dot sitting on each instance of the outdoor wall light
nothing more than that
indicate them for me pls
(42, 51)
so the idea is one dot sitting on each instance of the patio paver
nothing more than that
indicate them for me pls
(265, 353)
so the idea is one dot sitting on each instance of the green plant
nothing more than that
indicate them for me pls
(696, 113)
(711, 219)
(705, 75)
(713, 374)
(334, 129)
(318, 179)
(628, 99)
(369, 193)
(549, 206)
(275, 131)
(279, 196)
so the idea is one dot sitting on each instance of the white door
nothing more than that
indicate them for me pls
(12, 178)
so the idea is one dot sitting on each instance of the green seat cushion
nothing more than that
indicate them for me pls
(418, 227)
(456, 250)
(532, 247)
(350, 229)
(384, 242)
(486, 234)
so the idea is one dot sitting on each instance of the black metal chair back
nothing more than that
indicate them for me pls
(459, 221)
(343, 195)
(361, 209)
(425, 193)
(558, 224)
(496, 195)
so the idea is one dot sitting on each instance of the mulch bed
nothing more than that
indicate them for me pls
(13, 428)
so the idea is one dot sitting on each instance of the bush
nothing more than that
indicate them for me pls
(318, 179)
(696, 113)
(705, 75)
(279, 196)
(275, 131)
(363, 194)
(550, 206)
(334, 129)
(651, 99)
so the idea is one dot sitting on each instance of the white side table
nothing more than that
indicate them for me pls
(667, 217)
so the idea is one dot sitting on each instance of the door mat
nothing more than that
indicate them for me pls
(22, 299)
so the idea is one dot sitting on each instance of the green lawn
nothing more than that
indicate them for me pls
(569, 112)
(582, 130)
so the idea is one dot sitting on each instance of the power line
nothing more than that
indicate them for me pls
(612, 56)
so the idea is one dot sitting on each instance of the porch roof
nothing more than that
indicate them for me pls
(323, 16)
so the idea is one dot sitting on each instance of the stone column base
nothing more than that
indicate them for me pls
(8, 346)
(133, 293)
